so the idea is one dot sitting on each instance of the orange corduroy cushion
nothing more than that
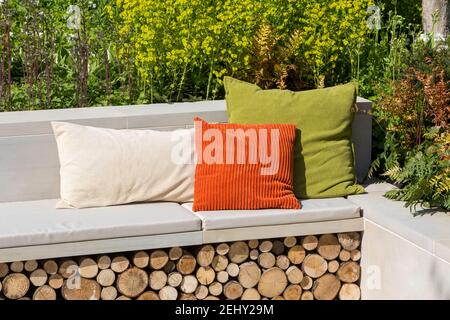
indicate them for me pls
(244, 167)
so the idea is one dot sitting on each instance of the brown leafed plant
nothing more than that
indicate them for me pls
(417, 102)
(273, 60)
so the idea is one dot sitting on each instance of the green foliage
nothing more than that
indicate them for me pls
(89, 53)
(413, 114)
(411, 10)
(425, 175)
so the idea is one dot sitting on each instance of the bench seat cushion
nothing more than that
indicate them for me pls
(314, 210)
(38, 222)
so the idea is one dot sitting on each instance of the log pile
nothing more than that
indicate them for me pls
(293, 268)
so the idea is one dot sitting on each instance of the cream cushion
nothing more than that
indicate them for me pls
(31, 223)
(103, 167)
(313, 210)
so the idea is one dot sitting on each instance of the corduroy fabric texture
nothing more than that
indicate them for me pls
(244, 167)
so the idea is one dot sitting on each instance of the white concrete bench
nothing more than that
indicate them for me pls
(403, 256)
(30, 227)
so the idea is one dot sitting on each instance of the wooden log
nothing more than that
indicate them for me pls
(349, 240)
(314, 265)
(149, 295)
(278, 298)
(277, 247)
(56, 281)
(328, 246)
(44, 293)
(50, 266)
(84, 289)
(174, 279)
(123, 298)
(294, 275)
(106, 277)
(266, 246)
(254, 254)
(233, 269)
(223, 249)
(266, 260)
(16, 266)
(132, 282)
(283, 262)
(186, 264)
(38, 277)
(175, 253)
(296, 254)
(15, 286)
(344, 255)
(355, 255)
(253, 244)
(233, 290)
(211, 298)
(215, 288)
(290, 241)
(158, 259)
(104, 262)
(310, 243)
(119, 264)
(292, 292)
(272, 282)
(333, 266)
(189, 284)
(141, 259)
(249, 274)
(30, 265)
(4, 270)
(168, 293)
(205, 255)
(187, 296)
(108, 293)
(349, 272)
(222, 276)
(157, 280)
(326, 287)
(88, 268)
(68, 268)
(251, 294)
(239, 252)
(306, 283)
(349, 291)
(169, 267)
(219, 263)
(307, 295)
(201, 292)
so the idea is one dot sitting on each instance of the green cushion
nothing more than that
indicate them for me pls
(323, 159)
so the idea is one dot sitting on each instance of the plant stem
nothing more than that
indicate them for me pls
(209, 79)
(183, 76)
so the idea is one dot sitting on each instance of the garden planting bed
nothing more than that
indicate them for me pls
(322, 267)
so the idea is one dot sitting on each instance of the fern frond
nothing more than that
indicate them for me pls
(393, 173)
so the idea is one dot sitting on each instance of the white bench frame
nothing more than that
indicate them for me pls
(70, 249)
(410, 255)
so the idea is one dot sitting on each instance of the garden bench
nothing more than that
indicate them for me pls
(32, 229)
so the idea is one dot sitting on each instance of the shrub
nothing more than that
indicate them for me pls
(415, 114)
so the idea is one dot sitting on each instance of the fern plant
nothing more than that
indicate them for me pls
(425, 176)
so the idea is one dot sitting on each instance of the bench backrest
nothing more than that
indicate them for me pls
(29, 165)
